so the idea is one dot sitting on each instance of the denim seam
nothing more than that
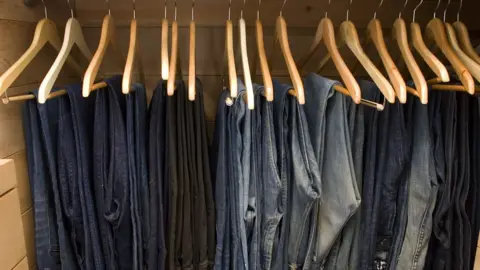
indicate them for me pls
(300, 236)
(270, 148)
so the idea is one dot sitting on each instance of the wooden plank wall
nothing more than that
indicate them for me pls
(17, 25)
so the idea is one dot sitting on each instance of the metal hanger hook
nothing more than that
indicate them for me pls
(108, 6)
(283, 5)
(258, 10)
(403, 8)
(435, 12)
(70, 6)
(45, 9)
(243, 7)
(378, 8)
(459, 10)
(175, 16)
(348, 10)
(229, 9)
(326, 12)
(165, 9)
(134, 11)
(415, 10)
(445, 12)
(193, 10)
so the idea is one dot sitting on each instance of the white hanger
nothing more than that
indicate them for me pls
(246, 67)
(132, 57)
(73, 35)
(45, 32)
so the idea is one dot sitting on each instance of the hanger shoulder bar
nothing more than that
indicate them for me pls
(230, 58)
(173, 60)
(191, 63)
(465, 42)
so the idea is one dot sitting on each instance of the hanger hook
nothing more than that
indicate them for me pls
(326, 11)
(108, 6)
(175, 16)
(459, 10)
(258, 10)
(134, 11)
(435, 12)
(243, 7)
(281, 10)
(193, 10)
(445, 12)
(45, 9)
(348, 10)
(415, 10)
(403, 8)
(165, 9)
(378, 8)
(229, 9)
(70, 6)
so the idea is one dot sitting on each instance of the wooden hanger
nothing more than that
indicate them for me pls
(191, 59)
(132, 58)
(165, 66)
(326, 32)
(45, 32)
(435, 31)
(472, 66)
(245, 64)
(375, 34)
(282, 38)
(107, 37)
(262, 56)
(73, 35)
(173, 60)
(464, 37)
(400, 35)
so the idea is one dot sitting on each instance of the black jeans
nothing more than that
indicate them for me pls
(157, 169)
(111, 176)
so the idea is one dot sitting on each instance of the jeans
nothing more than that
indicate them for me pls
(270, 188)
(220, 158)
(443, 116)
(111, 177)
(385, 183)
(156, 255)
(423, 186)
(326, 113)
(136, 118)
(202, 202)
(41, 159)
(345, 253)
(302, 176)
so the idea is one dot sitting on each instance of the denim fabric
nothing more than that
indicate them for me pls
(76, 186)
(241, 146)
(40, 148)
(443, 115)
(111, 176)
(423, 188)
(344, 254)
(136, 118)
(220, 160)
(203, 199)
(326, 113)
(462, 231)
(157, 171)
(303, 179)
(473, 196)
(270, 189)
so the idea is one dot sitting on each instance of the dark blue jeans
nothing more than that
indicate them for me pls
(157, 175)
(299, 170)
(136, 119)
(112, 176)
(220, 160)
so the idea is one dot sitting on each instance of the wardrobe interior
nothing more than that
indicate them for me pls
(19, 18)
